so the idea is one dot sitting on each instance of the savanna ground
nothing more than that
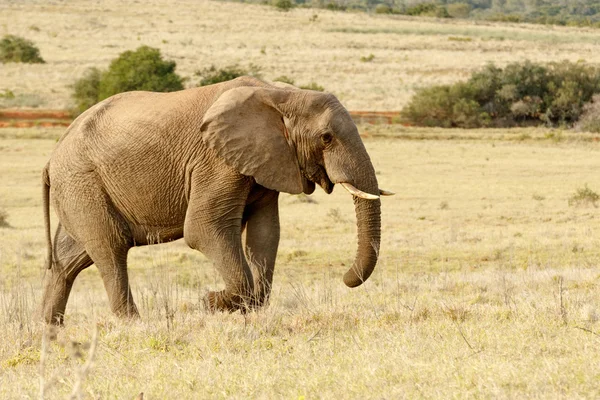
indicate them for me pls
(488, 280)
(487, 286)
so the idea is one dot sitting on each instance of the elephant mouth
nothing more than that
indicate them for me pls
(327, 185)
(324, 181)
(320, 176)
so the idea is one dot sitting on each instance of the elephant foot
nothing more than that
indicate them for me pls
(222, 301)
(127, 310)
(261, 298)
(50, 316)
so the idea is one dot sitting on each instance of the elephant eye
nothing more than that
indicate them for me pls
(326, 138)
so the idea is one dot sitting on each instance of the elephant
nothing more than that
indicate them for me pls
(207, 165)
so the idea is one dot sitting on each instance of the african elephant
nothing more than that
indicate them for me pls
(204, 164)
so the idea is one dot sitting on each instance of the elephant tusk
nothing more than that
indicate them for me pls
(358, 193)
(384, 192)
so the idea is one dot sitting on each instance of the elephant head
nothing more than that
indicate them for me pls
(288, 140)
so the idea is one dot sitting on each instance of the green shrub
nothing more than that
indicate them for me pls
(86, 90)
(290, 81)
(459, 10)
(570, 86)
(212, 75)
(506, 18)
(584, 196)
(284, 5)
(17, 49)
(142, 69)
(439, 12)
(590, 117)
(4, 219)
(335, 7)
(7, 94)
(383, 9)
(313, 86)
(421, 9)
(520, 94)
(368, 58)
(284, 79)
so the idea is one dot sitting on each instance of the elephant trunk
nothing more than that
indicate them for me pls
(368, 221)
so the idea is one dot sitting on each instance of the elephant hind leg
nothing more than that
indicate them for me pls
(70, 258)
(108, 244)
(93, 221)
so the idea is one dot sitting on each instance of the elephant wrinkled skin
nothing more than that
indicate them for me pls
(205, 164)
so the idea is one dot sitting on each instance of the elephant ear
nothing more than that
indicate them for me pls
(246, 129)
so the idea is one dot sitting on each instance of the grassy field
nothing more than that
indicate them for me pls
(305, 44)
(487, 286)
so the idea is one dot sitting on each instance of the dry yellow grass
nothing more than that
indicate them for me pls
(408, 53)
(487, 287)
(488, 281)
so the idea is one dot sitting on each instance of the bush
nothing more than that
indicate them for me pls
(7, 94)
(4, 219)
(520, 94)
(583, 197)
(290, 81)
(368, 58)
(142, 69)
(383, 9)
(17, 49)
(332, 6)
(313, 86)
(86, 90)
(421, 9)
(212, 75)
(284, 5)
(439, 12)
(590, 117)
(459, 10)
(284, 79)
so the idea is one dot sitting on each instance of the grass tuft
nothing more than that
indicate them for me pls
(584, 197)
(4, 219)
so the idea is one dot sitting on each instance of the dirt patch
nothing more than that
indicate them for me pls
(19, 118)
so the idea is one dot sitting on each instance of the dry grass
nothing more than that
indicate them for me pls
(487, 287)
(408, 53)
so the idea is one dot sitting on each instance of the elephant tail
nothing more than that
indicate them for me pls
(46, 205)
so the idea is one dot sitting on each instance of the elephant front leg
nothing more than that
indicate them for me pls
(262, 241)
(213, 227)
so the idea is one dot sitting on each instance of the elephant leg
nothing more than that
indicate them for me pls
(262, 240)
(94, 221)
(213, 226)
(70, 258)
(109, 252)
(112, 264)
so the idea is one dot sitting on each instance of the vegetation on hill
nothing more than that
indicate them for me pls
(142, 69)
(556, 12)
(17, 49)
(517, 95)
(212, 74)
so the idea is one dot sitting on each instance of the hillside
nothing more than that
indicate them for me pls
(555, 12)
(330, 48)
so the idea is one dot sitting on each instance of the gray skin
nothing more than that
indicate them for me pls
(205, 164)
